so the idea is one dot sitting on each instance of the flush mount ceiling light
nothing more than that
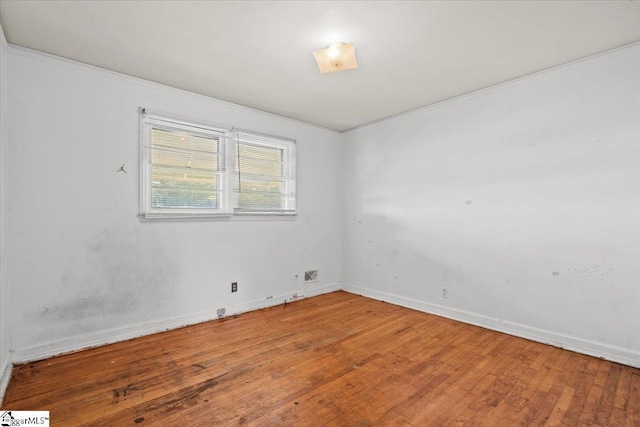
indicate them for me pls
(337, 57)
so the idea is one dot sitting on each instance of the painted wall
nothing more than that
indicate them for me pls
(522, 201)
(84, 270)
(5, 359)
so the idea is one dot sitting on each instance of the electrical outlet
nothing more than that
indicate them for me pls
(221, 312)
(444, 293)
(311, 275)
(234, 287)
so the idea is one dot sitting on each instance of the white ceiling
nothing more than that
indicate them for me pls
(258, 53)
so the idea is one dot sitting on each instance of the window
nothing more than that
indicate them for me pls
(264, 174)
(184, 172)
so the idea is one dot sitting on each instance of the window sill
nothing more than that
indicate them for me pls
(216, 218)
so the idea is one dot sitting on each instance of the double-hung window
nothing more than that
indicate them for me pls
(264, 178)
(183, 168)
(184, 173)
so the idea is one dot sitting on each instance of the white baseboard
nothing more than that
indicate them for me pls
(579, 345)
(5, 376)
(80, 342)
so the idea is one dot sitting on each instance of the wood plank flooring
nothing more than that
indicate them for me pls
(333, 360)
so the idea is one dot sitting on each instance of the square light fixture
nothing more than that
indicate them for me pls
(337, 57)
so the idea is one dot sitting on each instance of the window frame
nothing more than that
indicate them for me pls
(288, 177)
(150, 121)
(227, 176)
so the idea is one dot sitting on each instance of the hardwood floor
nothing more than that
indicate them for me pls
(335, 360)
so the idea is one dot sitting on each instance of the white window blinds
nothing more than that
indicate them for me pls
(264, 178)
(191, 170)
(183, 168)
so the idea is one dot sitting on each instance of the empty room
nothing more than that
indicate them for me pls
(320, 213)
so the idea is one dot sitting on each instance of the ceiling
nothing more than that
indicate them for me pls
(258, 53)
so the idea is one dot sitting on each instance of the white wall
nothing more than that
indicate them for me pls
(522, 200)
(5, 356)
(84, 270)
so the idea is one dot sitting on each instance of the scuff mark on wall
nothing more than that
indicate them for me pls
(128, 273)
(84, 307)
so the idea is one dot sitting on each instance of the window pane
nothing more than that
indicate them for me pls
(261, 195)
(259, 161)
(258, 201)
(261, 184)
(183, 171)
(184, 159)
(185, 141)
(175, 188)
